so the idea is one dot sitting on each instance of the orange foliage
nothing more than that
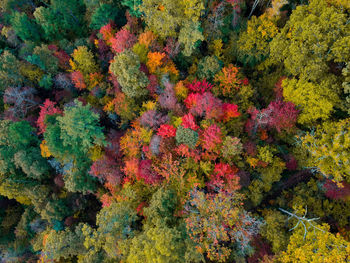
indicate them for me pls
(78, 80)
(107, 33)
(95, 79)
(154, 60)
(131, 143)
(229, 80)
(180, 90)
(264, 135)
(45, 152)
(170, 68)
(147, 38)
(131, 168)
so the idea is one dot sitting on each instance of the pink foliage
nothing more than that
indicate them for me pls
(107, 33)
(224, 177)
(106, 200)
(47, 109)
(200, 86)
(172, 47)
(153, 119)
(279, 115)
(123, 40)
(189, 122)
(153, 83)
(283, 115)
(191, 100)
(166, 130)
(147, 173)
(167, 99)
(107, 169)
(212, 137)
(332, 191)
(204, 105)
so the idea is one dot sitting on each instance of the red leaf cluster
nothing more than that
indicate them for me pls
(47, 109)
(224, 177)
(166, 130)
(189, 122)
(200, 86)
(123, 40)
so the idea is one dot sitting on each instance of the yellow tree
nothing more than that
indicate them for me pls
(314, 243)
(329, 147)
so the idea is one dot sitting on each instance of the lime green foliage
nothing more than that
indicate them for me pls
(186, 136)
(316, 101)
(165, 17)
(329, 147)
(83, 61)
(126, 67)
(64, 244)
(207, 68)
(265, 153)
(231, 147)
(275, 231)
(164, 238)
(268, 175)
(189, 36)
(312, 46)
(163, 244)
(141, 51)
(116, 224)
(318, 244)
(9, 74)
(311, 39)
(253, 44)
(346, 85)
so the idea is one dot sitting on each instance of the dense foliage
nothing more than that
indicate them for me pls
(167, 131)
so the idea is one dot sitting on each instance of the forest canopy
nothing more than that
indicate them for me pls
(142, 131)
